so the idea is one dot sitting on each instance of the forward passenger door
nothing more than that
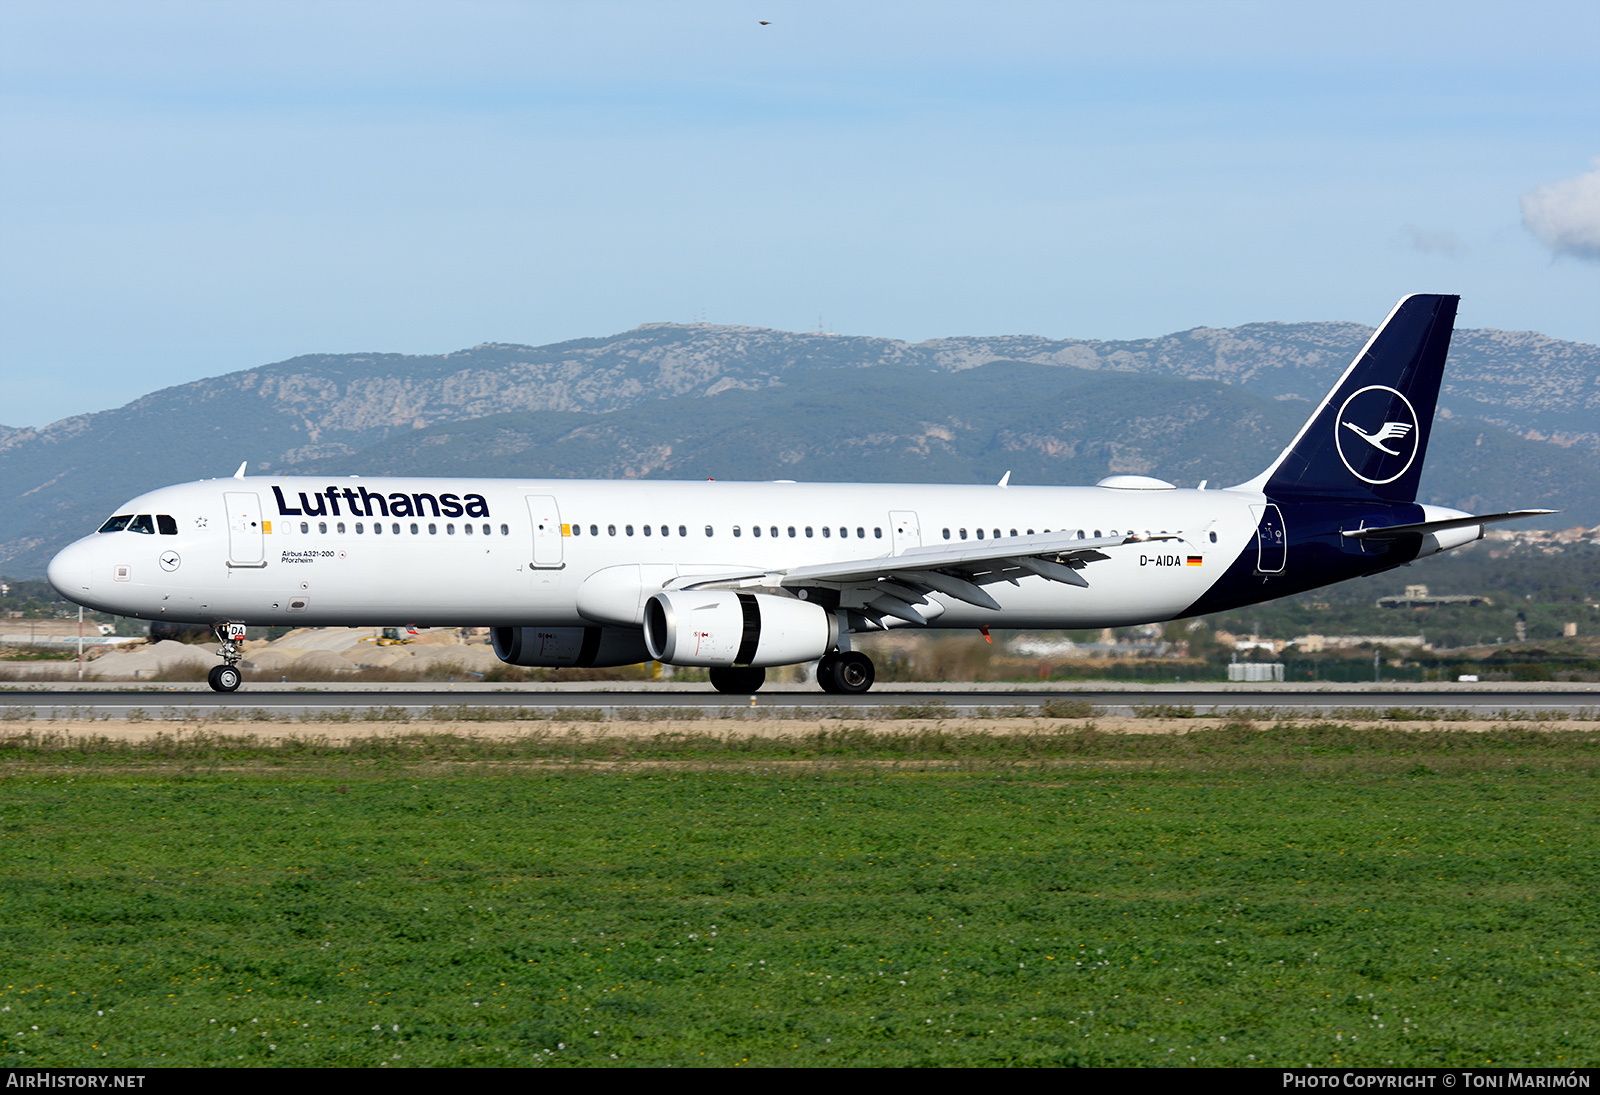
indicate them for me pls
(246, 546)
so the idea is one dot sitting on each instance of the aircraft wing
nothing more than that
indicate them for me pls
(894, 585)
(1422, 528)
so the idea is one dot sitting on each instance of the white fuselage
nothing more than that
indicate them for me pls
(501, 552)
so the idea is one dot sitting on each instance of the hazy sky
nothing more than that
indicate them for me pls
(192, 188)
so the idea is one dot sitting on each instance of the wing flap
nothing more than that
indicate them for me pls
(969, 557)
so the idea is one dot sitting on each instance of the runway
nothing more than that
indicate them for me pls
(185, 703)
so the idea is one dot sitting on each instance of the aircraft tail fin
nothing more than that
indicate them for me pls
(1368, 437)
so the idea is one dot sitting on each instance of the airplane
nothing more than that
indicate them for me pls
(738, 577)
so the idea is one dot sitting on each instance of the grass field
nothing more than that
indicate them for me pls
(1288, 895)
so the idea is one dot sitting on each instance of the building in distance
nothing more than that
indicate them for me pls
(1417, 596)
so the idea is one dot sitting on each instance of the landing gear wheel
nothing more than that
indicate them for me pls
(225, 678)
(738, 679)
(848, 674)
(827, 673)
(855, 673)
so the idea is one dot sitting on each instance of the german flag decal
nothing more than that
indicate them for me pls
(1194, 560)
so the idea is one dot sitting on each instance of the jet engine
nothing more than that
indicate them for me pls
(560, 647)
(723, 628)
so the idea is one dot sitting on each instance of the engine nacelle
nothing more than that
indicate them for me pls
(560, 647)
(721, 628)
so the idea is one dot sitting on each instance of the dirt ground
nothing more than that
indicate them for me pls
(338, 732)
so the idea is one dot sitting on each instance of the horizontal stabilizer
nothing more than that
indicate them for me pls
(1422, 528)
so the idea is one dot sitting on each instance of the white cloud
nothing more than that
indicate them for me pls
(1566, 215)
(1435, 243)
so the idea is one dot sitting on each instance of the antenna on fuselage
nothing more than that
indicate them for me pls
(240, 473)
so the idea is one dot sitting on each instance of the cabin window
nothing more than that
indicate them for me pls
(665, 531)
(142, 524)
(433, 529)
(683, 530)
(791, 532)
(1097, 534)
(947, 534)
(611, 530)
(861, 534)
(648, 531)
(340, 528)
(322, 527)
(450, 530)
(577, 530)
(755, 530)
(808, 532)
(305, 527)
(486, 530)
(980, 534)
(414, 529)
(1013, 532)
(467, 529)
(395, 528)
(736, 531)
(1080, 535)
(826, 531)
(877, 534)
(359, 528)
(1213, 537)
(628, 529)
(166, 524)
(377, 529)
(505, 530)
(963, 534)
(117, 524)
(708, 530)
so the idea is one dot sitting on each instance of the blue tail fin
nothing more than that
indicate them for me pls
(1367, 438)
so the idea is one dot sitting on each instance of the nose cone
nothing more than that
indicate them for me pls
(71, 569)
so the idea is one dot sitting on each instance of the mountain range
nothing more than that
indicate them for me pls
(1518, 422)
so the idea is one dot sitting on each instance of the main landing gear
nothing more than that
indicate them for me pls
(738, 679)
(847, 673)
(226, 677)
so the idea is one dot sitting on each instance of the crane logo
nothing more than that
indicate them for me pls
(1376, 434)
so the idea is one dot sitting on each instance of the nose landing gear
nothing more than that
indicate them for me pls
(847, 673)
(226, 677)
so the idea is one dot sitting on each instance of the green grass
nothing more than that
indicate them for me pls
(1220, 898)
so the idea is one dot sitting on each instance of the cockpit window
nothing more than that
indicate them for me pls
(142, 523)
(166, 524)
(117, 523)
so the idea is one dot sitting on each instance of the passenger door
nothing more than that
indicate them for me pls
(246, 547)
(547, 532)
(1272, 541)
(906, 530)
